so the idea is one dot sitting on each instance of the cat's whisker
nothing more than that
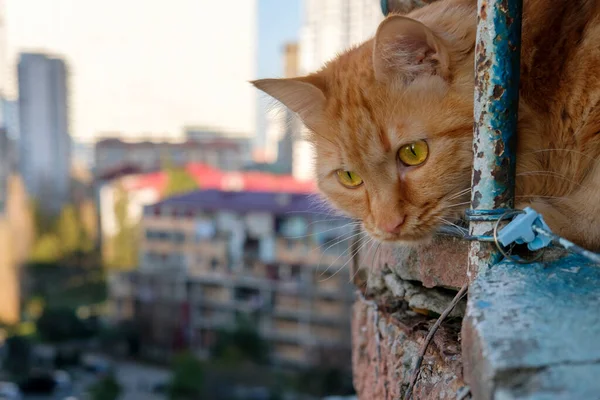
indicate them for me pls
(459, 194)
(458, 229)
(358, 268)
(549, 173)
(350, 224)
(354, 253)
(343, 253)
(342, 238)
(596, 160)
(533, 196)
(359, 242)
(457, 204)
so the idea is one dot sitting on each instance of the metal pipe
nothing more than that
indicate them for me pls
(497, 63)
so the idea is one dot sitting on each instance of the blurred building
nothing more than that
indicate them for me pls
(44, 140)
(210, 256)
(5, 167)
(16, 240)
(10, 117)
(282, 126)
(83, 155)
(291, 124)
(330, 27)
(146, 189)
(113, 155)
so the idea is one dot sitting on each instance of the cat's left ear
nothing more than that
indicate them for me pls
(406, 49)
(302, 96)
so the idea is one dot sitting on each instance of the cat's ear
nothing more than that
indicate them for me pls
(406, 49)
(301, 95)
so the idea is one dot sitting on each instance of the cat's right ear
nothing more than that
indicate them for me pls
(300, 95)
(406, 49)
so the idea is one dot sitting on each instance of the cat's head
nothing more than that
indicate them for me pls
(391, 122)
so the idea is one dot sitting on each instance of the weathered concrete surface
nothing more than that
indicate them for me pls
(386, 341)
(533, 331)
(441, 263)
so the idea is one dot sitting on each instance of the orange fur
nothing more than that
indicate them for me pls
(414, 81)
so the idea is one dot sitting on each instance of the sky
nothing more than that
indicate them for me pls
(278, 23)
(141, 67)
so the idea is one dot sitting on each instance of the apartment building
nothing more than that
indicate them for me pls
(44, 139)
(225, 153)
(209, 256)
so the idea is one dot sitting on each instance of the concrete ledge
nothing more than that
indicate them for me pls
(533, 331)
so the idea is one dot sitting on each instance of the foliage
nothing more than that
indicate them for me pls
(18, 353)
(34, 307)
(59, 236)
(46, 249)
(61, 324)
(69, 230)
(179, 181)
(244, 343)
(325, 381)
(107, 388)
(127, 332)
(125, 242)
(187, 381)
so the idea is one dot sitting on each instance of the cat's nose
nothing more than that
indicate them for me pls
(393, 224)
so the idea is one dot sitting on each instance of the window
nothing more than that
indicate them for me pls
(178, 237)
(150, 234)
(204, 230)
(293, 227)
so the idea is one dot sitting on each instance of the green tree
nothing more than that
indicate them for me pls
(107, 388)
(18, 355)
(47, 249)
(187, 381)
(244, 343)
(43, 222)
(69, 230)
(61, 324)
(125, 242)
(179, 181)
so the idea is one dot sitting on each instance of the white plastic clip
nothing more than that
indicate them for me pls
(520, 230)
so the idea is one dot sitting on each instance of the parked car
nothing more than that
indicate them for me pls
(41, 383)
(10, 391)
(62, 379)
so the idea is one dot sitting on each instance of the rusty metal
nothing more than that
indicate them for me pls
(497, 61)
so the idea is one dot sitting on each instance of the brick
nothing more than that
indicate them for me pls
(386, 343)
(439, 263)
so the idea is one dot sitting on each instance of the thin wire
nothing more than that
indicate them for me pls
(568, 245)
(501, 249)
(415, 375)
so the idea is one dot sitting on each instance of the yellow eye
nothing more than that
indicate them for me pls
(414, 153)
(349, 179)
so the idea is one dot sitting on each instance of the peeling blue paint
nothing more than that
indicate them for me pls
(497, 61)
(483, 304)
(547, 317)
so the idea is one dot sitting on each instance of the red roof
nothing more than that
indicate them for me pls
(212, 178)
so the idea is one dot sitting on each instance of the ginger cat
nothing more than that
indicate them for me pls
(392, 119)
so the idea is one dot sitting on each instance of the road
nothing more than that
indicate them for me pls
(136, 380)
